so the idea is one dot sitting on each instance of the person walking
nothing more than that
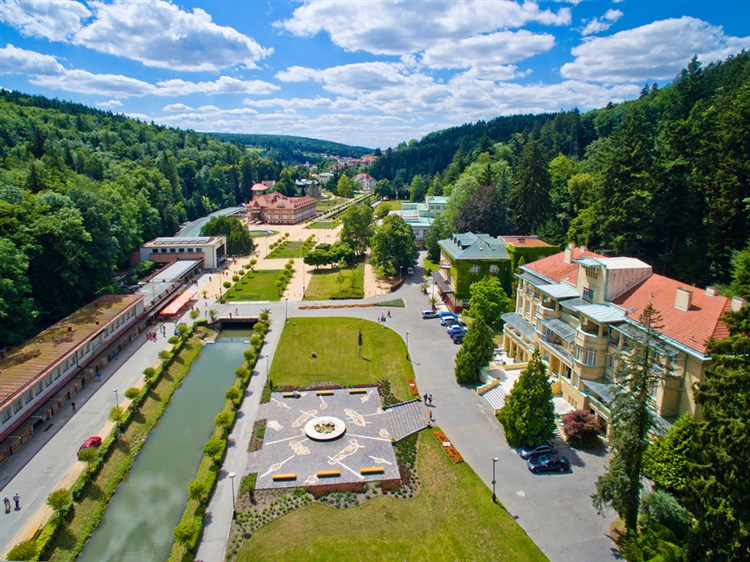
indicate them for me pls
(6, 501)
(17, 500)
(73, 405)
(425, 399)
(430, 397)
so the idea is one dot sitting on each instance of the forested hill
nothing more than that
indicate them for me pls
(80, 189)
(664, 178)
(294, 149)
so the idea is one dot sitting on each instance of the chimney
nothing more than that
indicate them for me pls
(737, 303)
(568, 257)
(711, 291)
(683, 299)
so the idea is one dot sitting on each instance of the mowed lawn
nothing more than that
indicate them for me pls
(291, 249)
(452, 518)
(255, 286)
(339, 283)
(334, 340)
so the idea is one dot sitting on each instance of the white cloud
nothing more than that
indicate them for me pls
(84, 82)
(55, 20)
(174, 107)
(109, 104)
(597, 25)
(404, 26)
(656, 51)
(160, 34)
(224, 85)
(22, 61)
(492, 49)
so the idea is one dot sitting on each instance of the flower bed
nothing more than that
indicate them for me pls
(448, 447)
(412, 384)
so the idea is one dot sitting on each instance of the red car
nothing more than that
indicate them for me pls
(94, 441)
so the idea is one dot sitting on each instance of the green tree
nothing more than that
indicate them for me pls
(631, 421)
(529, 414)
(198, 490)
(357, 227)
(239, 241)
(440, 229)
(489, 302)
(529, 200)
(719, 489)
(345, 187)
(186, 531)
(394, 246)
(474, 354)
(741, 272)
(60, 500)
(418, 188)
(668, 461)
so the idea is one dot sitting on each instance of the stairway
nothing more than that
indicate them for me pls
(405, 418)
(496, 397)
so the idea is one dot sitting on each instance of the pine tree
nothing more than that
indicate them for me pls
(631, 421)
(474, 354)
(528, 416)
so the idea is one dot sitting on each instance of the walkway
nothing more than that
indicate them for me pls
(406, 418)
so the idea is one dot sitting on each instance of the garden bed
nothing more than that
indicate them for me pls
(448, 447)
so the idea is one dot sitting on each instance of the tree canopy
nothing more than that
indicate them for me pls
(488, 301)
(239, 241)
(393, 246)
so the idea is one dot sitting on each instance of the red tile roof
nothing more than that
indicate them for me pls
(554, 267)
(278, 201)
(528, 241)
(689, 327)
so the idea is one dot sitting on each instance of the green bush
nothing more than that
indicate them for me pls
(226, 284)
(233, 393)
(198, 490)
(214, 448)
(26, 550)
(149, 372)
(186, 531)
(60, 500)
(224, 420)
(165, 355)
(241, 372)
(249, 355)
(132, 393)
(175, 339)
(256, 341)
(659, 506)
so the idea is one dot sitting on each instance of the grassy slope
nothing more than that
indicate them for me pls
(335, 342)
(451, 519)
(324, 284)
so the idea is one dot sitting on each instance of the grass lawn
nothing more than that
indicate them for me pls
(290, 249)
(340, 283)
(323, 224)
(334, 340)
(394, 205)
(255, 286)
(429, 267)
(452, 518)
(326, 204)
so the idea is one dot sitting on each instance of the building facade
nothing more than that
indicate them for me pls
(582, 310)
(32, 373)
(275, 208)
(210, 250)
(419, 216)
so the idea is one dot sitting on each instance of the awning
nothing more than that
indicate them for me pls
(442, 284)
(174, 307)
(559, 291)
(533, 279)
(601, 313)
(601, 389)
(633, 333)
(562, 329)
(572, 304)
(520, 324)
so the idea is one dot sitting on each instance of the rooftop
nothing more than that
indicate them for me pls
(182, 242)
(470, 246)
(523, 241)
(25, 363)
(556, 269)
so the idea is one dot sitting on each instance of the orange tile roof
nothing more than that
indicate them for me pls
(523, 241)
(553, 267)
(279, 201)
(691, 327)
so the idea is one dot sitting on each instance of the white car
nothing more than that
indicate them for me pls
(430, 314)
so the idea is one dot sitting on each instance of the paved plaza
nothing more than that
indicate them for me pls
(296, 459)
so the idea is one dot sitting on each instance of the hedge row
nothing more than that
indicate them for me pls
(47, 544)
(188, 532)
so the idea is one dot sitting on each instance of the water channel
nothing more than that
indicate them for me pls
(148, 505)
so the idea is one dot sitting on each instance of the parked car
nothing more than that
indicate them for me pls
(455, 330)
(430, 314)
(447, 318)
(527, 451)
(410, 271)
(548, 463)
(458, 338)
(94, 441)
(458, 324)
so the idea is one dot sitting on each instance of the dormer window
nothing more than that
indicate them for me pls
(588, 294)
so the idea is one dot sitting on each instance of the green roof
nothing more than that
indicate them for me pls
(470, 246)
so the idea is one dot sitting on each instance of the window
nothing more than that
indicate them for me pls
(40, 387)
(588, 294)
(7, 414)
(494, 268)
(17, 406)
(589, 357)
(29, 396)
(474, 269)
(49, 379)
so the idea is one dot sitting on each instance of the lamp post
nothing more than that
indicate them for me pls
(286, 310)
(231, 479)
(494, 497)
(117, 401)
(407, 344)
(400, 275)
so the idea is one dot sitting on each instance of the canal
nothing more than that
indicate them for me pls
(148, 505)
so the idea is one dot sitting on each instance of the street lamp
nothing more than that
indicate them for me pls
(117, 402)
(494, 497)
(231, 479)
(407, 344)
(286, 310)
(400, 267)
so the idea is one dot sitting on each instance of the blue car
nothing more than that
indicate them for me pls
(448, 318)
(457, 330)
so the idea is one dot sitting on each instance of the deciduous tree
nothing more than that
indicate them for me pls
(393, 246)
(489, 302)
(474, 354)
(357, 227)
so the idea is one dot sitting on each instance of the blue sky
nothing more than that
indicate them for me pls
(364, 72)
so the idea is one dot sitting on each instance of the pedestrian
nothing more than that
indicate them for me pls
(236, 310)
(389, 314)
(98, 375)
(432, 418)
(430, 397)
(73, 405)
(17, 500)
(6, 501)
(425, 398)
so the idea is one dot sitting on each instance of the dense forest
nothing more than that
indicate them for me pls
(297, 150)
(81, 189)
(665, 178)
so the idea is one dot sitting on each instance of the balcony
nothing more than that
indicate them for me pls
(555, 347)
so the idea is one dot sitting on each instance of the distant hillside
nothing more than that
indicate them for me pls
(291, 149)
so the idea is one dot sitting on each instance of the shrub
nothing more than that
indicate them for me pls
(60, 500)
(241, 372)
(256, 340)
(132, 393)
(88, 455)
(580, 428)
(226, 284)
(26, 550)
(198, 490)
(235, 278)
(186, 531)
(175, 339)
(116, 413)
(149, 372)
(214, 448)
(260, 328)
(249, 355)
(233, 394)
(224, 420)
(165, 354)
(194, 314)
(661, 507)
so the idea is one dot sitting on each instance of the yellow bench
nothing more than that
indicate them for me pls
(358, 391)
(325, 393)
(372, 470)
(328, 473)
(289, 476)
